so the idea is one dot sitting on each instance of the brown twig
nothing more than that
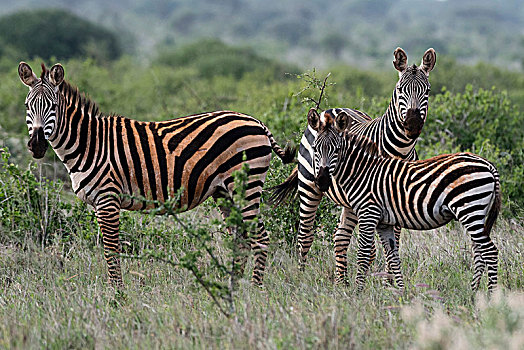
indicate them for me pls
(322, 91)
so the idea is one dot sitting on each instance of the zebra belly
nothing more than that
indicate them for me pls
(418, 219)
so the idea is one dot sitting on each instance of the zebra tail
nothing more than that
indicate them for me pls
(286, 190)
(287, 155)
(495, 207)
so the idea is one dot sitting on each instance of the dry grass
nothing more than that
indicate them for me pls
(59, 298)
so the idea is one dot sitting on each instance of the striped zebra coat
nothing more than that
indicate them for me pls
(396, 133)
(419, 195)
(112, 160)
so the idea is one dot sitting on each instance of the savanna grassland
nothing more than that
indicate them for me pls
(58, 297)
(53, 285)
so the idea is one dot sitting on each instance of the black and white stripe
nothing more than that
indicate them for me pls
(420, 195)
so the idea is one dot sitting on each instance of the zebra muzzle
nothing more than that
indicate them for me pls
(37, 144)
(413, 123)
(323, 179)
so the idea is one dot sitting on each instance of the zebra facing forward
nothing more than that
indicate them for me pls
(419, 195)
(396, 133)
(112, 160)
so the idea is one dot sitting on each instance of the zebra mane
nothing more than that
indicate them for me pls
(364, 143)
(71, 92)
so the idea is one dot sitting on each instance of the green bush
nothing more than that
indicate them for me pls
(211, 57)
(56, 33)
(34, 211)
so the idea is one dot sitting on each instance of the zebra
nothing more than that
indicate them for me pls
(112, 160)
(395, 132)
(386, 191)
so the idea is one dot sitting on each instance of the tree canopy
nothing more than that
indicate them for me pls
(55, 33)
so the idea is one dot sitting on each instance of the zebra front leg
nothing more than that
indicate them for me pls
(368, 220)
(309, 201)
(108, 217)
(389, 243)
(396, 230)
(342, 238)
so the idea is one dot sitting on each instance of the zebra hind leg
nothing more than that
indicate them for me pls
(258, 240)
(239, 236)
(485, 251)
(490, 256)
(108, 217)
(479, 267)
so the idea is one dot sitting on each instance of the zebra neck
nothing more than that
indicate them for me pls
(394, 140)
(77, 129)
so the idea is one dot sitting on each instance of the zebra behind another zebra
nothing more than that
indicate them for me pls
(395, 133)
(420, 195)
(112, 159)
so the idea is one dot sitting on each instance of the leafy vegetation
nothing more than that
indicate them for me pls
(211, 58)
(55, 33)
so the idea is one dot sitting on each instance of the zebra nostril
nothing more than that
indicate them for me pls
(413, 113)
(37, 144)
(323, 180)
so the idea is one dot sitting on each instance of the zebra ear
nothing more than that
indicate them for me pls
(401, 60)
(56, 74)
(342, 122)
(26, 74)
(313, 119)
(428, 61)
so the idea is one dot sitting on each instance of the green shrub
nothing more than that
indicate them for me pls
(56, 33)
(34, 211)
(211, 57)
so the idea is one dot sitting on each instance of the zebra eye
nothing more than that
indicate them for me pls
(399, 90)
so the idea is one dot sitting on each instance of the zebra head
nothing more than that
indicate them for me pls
(412, 91)
(327, 144)
(41, 104)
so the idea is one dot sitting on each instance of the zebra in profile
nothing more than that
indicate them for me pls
(395, 133)
(112, 160)
(425, 194)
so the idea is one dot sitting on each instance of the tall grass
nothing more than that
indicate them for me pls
(58, 297)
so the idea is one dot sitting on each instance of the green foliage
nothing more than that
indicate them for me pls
(455, 77)
(55, 33)
(211, 57)
(34, 211)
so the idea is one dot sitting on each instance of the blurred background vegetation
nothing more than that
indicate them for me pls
(161, 59)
